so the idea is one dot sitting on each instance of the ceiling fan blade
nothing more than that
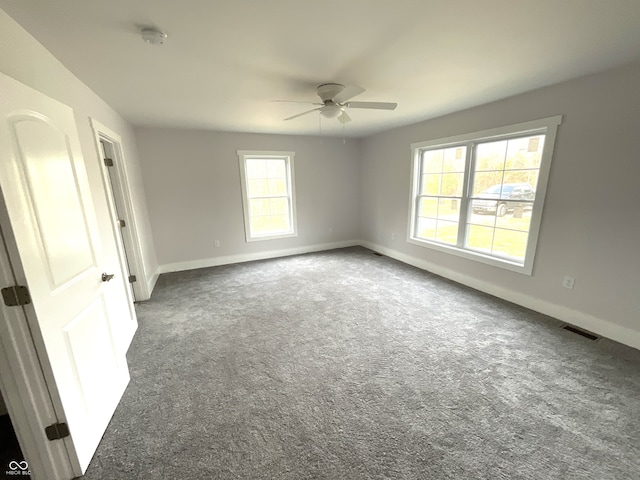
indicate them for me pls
(303, 113)
(373, 105)
(348, 92)
(344, 117)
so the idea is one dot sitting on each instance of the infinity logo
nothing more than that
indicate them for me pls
(13, 465)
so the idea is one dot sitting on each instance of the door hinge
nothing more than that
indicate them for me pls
(16, 295)
(57, 431)
(122, 223)
(132, 279)
(108, 162)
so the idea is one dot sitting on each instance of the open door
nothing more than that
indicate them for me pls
(60, 259)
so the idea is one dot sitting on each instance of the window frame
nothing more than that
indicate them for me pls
(547, 126)
(288, 157)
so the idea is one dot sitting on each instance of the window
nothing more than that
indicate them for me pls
(268, 197)
(480, 195)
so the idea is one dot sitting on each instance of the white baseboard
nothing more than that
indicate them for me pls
(248, 257)
(151, 282)
(583, 320)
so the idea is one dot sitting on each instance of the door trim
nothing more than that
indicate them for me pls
(25, 376)
(123, 193)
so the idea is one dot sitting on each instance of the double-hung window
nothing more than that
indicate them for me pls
(268, 194)
(480, 195)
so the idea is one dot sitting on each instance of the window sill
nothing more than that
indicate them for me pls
(260, 238)
(524, 269)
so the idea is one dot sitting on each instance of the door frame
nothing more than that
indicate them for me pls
(26, 379)
(122, 192)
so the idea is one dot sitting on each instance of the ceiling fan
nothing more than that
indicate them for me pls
(335, 101)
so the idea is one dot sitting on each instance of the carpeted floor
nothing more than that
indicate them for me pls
(348, 365)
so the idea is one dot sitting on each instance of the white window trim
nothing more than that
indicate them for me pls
(549, 127)
(243, 156)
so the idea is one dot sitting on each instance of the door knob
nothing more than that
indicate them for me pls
(106, 277)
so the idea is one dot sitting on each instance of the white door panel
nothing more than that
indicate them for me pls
(50, 178)
(93, 352)
(46, 191)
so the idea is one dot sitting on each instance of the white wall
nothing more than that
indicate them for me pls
(192, 180)
(591, 222)
(26, 60)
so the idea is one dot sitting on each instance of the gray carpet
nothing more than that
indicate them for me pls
(348, 365)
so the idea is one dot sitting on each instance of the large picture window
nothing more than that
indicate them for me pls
(268, 197)
(480, 195)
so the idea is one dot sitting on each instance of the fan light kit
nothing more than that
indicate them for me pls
(153, 36)
(335, 102)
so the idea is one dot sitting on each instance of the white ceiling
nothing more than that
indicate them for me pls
(225, 60)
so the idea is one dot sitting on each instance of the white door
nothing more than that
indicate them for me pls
(107, 153)
(46, 192)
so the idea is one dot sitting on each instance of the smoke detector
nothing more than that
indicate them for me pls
(153, 36)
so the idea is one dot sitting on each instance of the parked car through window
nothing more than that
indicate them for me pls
(502, 198)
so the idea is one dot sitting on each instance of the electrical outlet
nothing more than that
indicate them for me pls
(568, 282)
(216, 243)
(393, 236)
